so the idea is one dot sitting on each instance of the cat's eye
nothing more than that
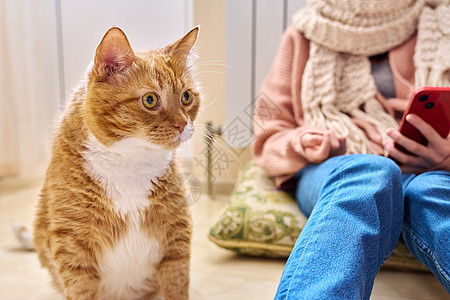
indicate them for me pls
(186, 97)
(150, 100)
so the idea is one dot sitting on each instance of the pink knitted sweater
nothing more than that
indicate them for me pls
(278, 119)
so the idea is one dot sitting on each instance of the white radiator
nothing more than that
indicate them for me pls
(253, 32)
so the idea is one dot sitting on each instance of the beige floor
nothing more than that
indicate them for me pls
(217, 274)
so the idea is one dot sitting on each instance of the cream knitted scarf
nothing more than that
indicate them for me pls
(338, 88)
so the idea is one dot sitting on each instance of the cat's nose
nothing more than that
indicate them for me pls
(180, 126)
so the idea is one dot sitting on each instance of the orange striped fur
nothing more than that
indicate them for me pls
(112, 220)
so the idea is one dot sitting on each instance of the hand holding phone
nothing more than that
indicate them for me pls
(429, 111)
(431, 104)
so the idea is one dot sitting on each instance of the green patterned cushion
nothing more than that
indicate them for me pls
(260, 220)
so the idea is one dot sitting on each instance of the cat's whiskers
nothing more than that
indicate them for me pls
(218, 63)
(203, 108)
(206, 131)
(220, 167)
(210, 71)
(211, 146)
(212, 67)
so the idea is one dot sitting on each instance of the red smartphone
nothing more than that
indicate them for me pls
(431, 104)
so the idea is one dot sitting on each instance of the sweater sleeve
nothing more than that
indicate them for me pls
(277, 120)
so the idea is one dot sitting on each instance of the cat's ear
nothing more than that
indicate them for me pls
(114, 53)
(181, 48)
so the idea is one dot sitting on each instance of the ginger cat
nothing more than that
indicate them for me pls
(112, 219)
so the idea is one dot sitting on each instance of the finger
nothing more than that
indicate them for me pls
(311, 140)
(410, 169)
(318, 154)
(341, 138)
(389, 131)
(407, 143)
(337, 145)
(342, 145)
(407, 163)
(395, 153)
(334, 142)
(406, 170)
(324, 150)
(426, 129)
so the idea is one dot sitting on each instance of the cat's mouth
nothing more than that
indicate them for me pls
(186, 134)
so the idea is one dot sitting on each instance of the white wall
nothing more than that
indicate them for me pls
(148, 24)
(253, 32)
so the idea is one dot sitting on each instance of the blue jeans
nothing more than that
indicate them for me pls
(358, 205)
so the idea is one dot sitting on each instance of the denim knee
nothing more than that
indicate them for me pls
(427, 192)
(434, 183)
(352, 229)
(375, 168)
(376, 185)
(426, 223)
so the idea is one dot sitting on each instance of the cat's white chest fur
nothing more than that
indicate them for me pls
(127, 169)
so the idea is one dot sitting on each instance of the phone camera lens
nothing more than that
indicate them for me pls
(429, 105)
(423, 98)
